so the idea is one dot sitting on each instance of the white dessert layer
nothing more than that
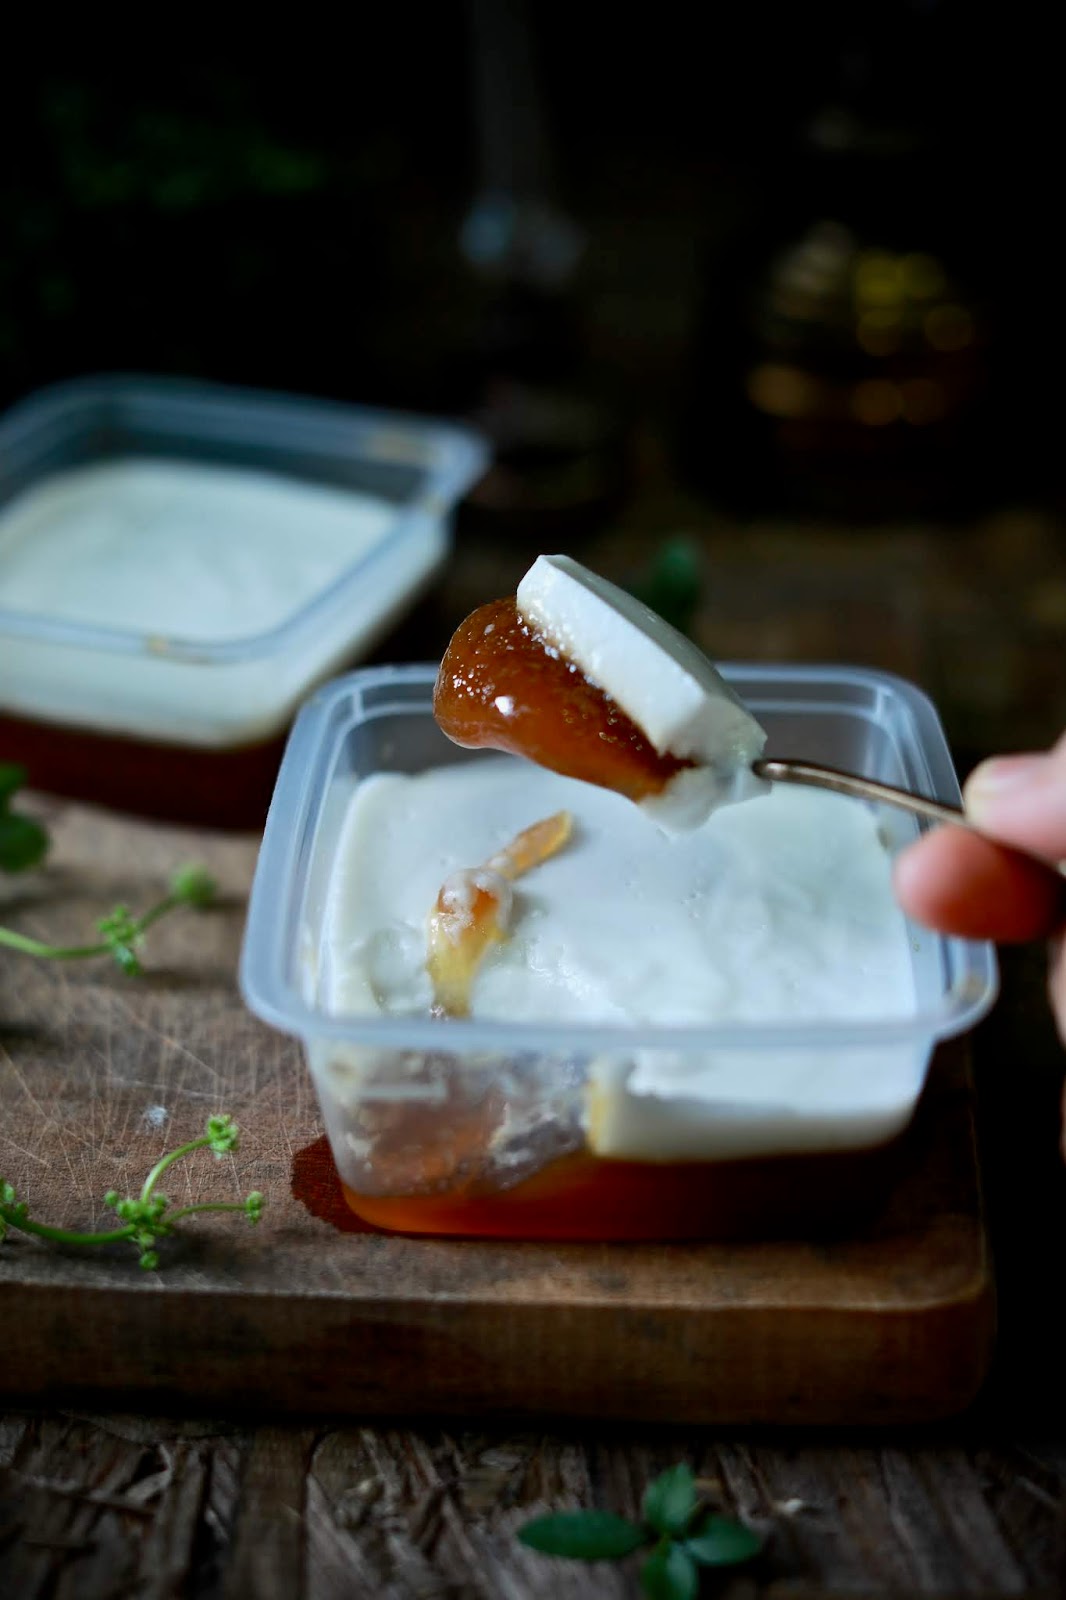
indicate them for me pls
(178, 549)
(208, 556)
(772, 913)
(673, 693)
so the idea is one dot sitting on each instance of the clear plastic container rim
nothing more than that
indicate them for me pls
(454, 458)
(275, 905)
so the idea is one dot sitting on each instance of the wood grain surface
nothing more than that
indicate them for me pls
(96, 1508)
(100, 1073)
(158, 1504)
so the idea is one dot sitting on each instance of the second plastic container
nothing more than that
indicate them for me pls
(182, 722)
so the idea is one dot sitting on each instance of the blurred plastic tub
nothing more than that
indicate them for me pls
(193, 727)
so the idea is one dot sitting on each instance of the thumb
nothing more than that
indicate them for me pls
(1021, 800)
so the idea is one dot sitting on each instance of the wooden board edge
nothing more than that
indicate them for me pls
(325, 1355)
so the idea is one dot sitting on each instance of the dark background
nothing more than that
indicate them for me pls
(284, 207)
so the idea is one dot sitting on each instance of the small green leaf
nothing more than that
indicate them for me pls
(670, 1499)
(145, 1218)
(670, 1574)
(721, 1542)
(12, 1210)
(145, 1214)
(121, 935)
(12, 778)
(23, 842)
(583, 1535)
(126, 958)
(222, 1134)
(672, 586)
(193, 885)
(119, 926)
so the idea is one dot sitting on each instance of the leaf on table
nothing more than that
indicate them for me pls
(23, 842)
(670, 1574)
(721, 1542)
(583, 1535)
(12, 778)
(670, 1500)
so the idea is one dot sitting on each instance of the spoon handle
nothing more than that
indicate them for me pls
(819, 777)
(814, 776)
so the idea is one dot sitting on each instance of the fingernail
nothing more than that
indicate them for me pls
(1000, 777)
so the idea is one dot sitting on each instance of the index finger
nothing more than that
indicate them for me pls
(1021, 800)
(964, 884)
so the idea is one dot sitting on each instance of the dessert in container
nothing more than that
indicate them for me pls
(482, 1127)
(191, 725)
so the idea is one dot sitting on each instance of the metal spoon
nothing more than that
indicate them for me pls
(815, 776)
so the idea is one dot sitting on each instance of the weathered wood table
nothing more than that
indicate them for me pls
(98, 1502)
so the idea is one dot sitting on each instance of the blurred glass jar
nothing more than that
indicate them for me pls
(843, 351)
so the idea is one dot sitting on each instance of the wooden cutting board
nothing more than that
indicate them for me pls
(100, 1073)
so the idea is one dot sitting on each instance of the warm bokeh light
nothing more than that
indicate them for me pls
(876, 402)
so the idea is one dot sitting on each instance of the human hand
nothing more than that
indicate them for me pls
(968, 884)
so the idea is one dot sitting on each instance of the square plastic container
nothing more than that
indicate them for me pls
(477, 1127)
(193, 728)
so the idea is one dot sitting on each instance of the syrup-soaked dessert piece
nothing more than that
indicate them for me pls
(578, 676)
(504, 686)
(474, 907)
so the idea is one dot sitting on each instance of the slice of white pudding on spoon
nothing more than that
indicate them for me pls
(583, 679)
(670, 690)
